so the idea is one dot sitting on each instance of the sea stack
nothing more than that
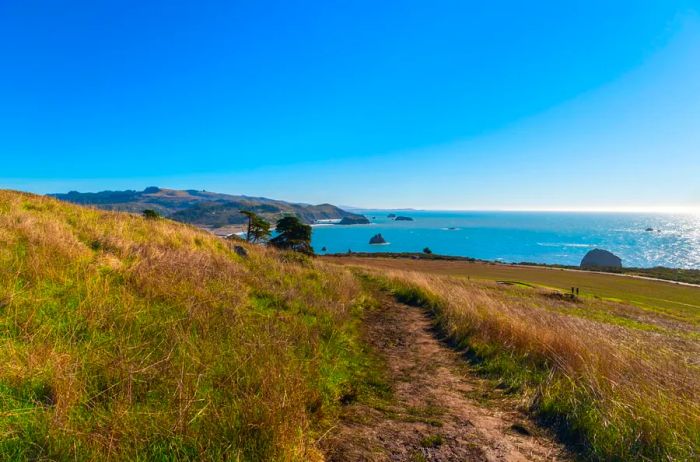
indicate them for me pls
(377, 239)
(599, 258)
(402, 218)
(354, 220)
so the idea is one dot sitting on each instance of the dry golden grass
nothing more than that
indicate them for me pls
(678, 301)
(125, 338)
(621, 391)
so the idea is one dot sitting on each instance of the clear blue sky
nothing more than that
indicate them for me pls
(433, 104)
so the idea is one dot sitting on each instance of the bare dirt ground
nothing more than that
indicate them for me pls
(440, 411)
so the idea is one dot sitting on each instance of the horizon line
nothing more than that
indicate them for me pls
(671, 209)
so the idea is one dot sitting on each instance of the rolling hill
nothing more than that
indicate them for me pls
(203, 208)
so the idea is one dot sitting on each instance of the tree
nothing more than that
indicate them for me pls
(427, 251)
(258, 228)
(150, 214)
(293, 235)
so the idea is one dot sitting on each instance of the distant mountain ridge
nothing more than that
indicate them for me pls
(203, 208)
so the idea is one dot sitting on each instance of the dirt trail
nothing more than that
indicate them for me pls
(440, 410)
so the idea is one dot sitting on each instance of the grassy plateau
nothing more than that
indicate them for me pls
(675, 300)
(618, 381)
(123, 338)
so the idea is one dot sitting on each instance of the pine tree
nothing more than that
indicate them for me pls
(258, 228)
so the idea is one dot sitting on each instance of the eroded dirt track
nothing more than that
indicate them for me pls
(440, 411)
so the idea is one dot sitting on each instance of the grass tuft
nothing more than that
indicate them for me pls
(432, 441)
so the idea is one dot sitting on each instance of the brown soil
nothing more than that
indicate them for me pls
(439, 411)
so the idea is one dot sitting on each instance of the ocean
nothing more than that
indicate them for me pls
(538, 237)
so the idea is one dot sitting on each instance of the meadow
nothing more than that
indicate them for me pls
(123, 338)
(618, 381)
(678, 301)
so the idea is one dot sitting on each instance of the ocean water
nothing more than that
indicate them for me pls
(539, 237)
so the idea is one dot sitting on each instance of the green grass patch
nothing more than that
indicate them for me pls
(431, 441)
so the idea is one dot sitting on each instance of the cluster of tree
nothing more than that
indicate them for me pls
(292, 234)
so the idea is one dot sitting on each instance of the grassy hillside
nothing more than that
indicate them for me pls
(203, 208)
(618, 381)
(125, 338)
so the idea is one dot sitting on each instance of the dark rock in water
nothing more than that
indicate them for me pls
(400, 218)
(241, 251)
(358, 220)
(598, 258)
(377, 239)
(391, 215)
(649, 229)
(324, 249)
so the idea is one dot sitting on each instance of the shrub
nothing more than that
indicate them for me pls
(150, 214)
